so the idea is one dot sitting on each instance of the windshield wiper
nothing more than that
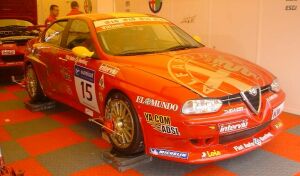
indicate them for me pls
(136, 52)
(133, 52)
(180, 47)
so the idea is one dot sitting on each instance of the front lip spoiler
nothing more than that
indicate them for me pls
(227, 149)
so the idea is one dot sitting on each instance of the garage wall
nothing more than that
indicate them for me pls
(262, 31)
(64, 8)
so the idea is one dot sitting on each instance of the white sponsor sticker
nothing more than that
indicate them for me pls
(108, 69)
(169, 153)
(255, 142)
(277, 111)
(8, 52)
(233, 126)
(101, 23)
(272, 97)
(233, 110)
(101, 82)
(89, 112)
(157, 103)
(85, 87)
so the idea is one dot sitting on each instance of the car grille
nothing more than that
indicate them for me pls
(242, 135)
(238, 98)
(21, 42)
(14, 58)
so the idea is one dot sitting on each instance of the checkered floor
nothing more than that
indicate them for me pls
(61, 142)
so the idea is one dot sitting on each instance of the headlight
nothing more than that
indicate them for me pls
(201, 106)
(275, 86)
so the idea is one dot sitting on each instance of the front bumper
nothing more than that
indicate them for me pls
(221, 151)
(211, 144)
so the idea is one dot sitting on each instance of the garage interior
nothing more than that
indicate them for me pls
(265, 32)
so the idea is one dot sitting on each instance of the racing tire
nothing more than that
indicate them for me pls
(128, 138)
(33, 86)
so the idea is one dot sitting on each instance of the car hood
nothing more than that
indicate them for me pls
(17, 9)
(204, 71)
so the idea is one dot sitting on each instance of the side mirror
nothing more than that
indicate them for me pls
(82, 52)
(197, 38)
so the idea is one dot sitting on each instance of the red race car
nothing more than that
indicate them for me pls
(154, 88)
(17, 26)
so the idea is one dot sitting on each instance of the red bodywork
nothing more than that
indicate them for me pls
(158, 85)
(12, 41)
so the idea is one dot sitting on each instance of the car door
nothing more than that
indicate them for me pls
(83, 70)
(50, 52)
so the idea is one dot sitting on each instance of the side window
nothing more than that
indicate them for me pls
(54, 34)
(79, 35)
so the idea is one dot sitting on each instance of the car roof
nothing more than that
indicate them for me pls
(104, 16)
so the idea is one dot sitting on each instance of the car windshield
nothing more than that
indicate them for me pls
(14, 22)
(145, 39)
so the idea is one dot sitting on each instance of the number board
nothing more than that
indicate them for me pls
(85, 87)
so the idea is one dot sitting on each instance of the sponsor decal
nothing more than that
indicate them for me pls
(256, 142)
(120, 21)
(278, 125)
(155, 5)
(233, 126)
(277, 111)
(272, 97)
(112, 26)
(161, 123)
(89, 112)
(203, 71)
(108, 69)
(156, 103)
(101, 82)
(169, 153)
(66, 73)
(233, 110)
(84, 73)
(81, 61)
(209, 154)
(8, 52)
(85, 87)
(71, 58)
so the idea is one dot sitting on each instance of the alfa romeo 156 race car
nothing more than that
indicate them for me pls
(154, 88)
(17, 26)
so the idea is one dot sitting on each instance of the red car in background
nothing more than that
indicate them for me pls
(17, 26)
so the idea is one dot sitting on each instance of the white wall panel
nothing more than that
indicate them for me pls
(280, 47)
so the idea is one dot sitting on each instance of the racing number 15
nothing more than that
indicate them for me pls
(86, 91)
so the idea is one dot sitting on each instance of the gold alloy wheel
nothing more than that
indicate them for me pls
(123, 125)
(31, 82)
